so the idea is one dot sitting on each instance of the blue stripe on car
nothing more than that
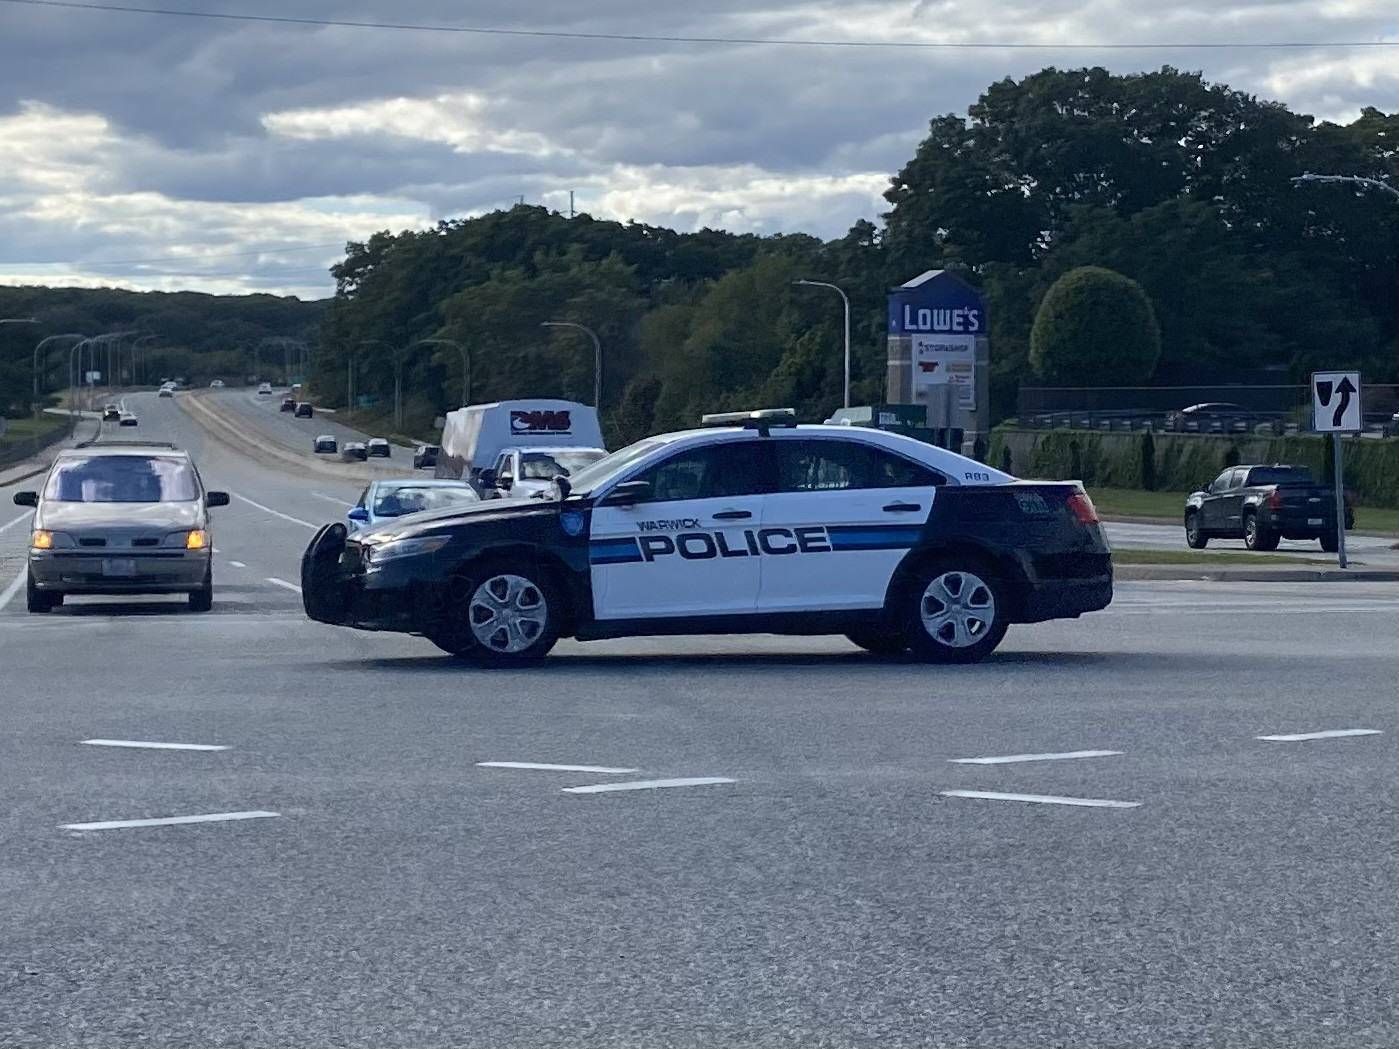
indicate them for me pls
(872, 537)
(614, 551)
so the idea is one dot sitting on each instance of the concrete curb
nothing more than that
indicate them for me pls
(218, 425)
(1172, 522)
(1246, 574)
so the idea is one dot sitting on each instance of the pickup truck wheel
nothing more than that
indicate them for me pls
(1330, 543)
(1257, 537)
(954, 611)
(1194, 538)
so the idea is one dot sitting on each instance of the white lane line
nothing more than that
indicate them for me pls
(330, 498)
(13, 588)
(168, 821)
(10, 524)
(238, 564)
(646, 784)
(274, 513)
(599, 769)
(1330, 733)
(1010, 759)
(1043, 799)
(147, 745)
(283, 583)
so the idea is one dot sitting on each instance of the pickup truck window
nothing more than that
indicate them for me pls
(1280, 475)
(1221, 482)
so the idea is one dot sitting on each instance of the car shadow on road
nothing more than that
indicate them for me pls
(173, 607)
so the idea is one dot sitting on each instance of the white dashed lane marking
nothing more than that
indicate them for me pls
(274, 513)
(600, 770)
(283, 584)
(1331, 733)
(148, 745)
(646, 784)
(169, 821)
(1011, 759)
(1042, 799)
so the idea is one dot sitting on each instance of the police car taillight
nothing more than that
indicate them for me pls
(1082, 508)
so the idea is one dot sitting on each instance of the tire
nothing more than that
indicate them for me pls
(1256, 538)
(501, 614)
(39, 602)
(1194, 538)
(881, 644)
(1330, 543)
(202, 600)
(955, 611)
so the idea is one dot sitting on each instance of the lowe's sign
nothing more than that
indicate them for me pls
(937, 302)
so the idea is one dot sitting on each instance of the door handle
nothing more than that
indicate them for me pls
(733, 515)
(899, 508)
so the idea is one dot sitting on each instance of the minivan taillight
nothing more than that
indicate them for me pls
(1082, 508)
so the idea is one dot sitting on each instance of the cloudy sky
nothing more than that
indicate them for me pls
(161, 151)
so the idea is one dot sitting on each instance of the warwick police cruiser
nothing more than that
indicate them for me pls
(748, 524)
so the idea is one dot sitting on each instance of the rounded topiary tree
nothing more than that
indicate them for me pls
(1095, 327)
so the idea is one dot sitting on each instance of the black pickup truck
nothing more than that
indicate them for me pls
(1263, 504)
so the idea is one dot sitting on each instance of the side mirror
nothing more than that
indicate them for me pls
(358, 514)
(215, 498)
(26, 498)
(628, 493)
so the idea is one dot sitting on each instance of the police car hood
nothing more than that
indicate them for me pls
(433, 521)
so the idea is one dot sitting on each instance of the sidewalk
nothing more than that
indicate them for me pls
(1261, 574)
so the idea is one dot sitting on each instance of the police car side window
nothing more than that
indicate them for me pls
(820, 466)
(716, 471)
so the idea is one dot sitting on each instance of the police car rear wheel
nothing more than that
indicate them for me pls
(958, 614)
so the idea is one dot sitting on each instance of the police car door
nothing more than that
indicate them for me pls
(844, 515)
(692, 548)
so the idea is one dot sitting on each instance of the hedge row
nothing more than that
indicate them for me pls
(1181, 462)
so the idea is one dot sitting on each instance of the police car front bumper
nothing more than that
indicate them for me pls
(338, 587)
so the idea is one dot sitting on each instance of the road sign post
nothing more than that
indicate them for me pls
(1336, 410)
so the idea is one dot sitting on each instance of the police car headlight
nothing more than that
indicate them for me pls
(396, 548)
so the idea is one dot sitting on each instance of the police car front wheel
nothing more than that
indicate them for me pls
(955, 612)
(505, 614)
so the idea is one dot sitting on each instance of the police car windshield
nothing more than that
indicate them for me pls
(590, 477)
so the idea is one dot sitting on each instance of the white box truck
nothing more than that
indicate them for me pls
(518, 443)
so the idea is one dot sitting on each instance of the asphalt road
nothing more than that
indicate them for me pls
(264, 416)
(831, 894)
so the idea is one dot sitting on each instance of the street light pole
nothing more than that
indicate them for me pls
(465, 364)
(35, 369)
(1355, 180)
(597, 355)
(845, 299)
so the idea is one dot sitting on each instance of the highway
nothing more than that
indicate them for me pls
(840, 884)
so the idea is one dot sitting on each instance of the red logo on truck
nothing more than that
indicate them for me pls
(540, 422)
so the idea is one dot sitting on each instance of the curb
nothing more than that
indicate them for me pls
(1230, 574)
(218, 426)
(1171, 522)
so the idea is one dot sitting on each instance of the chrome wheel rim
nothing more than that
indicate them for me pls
(958, 609)
(507, 614)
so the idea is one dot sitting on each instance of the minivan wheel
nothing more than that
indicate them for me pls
(37, 601)
(202, 600)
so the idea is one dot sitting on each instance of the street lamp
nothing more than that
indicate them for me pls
(465, 364)
(597, 355)
(35, 370)
(1356, 180)
(845, 299)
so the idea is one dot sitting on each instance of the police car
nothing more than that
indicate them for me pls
(748, 524)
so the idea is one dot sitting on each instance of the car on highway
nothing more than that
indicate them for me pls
(288, 404)
(325, 444)
(121, 517)
(425, 455)
(217, 384)
(1262, 505)
(166, 391)
(354, 450)
(389, 500)
(264, 389)
(111, 413)
(127, 419)
(749, 523)
(379, 446)
(304, 410)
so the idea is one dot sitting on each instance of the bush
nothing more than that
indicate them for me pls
(1095, 327)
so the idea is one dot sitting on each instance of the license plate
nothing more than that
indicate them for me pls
(118, 566)
(1314, 522)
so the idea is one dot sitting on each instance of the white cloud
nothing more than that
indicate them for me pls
(127, 137)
